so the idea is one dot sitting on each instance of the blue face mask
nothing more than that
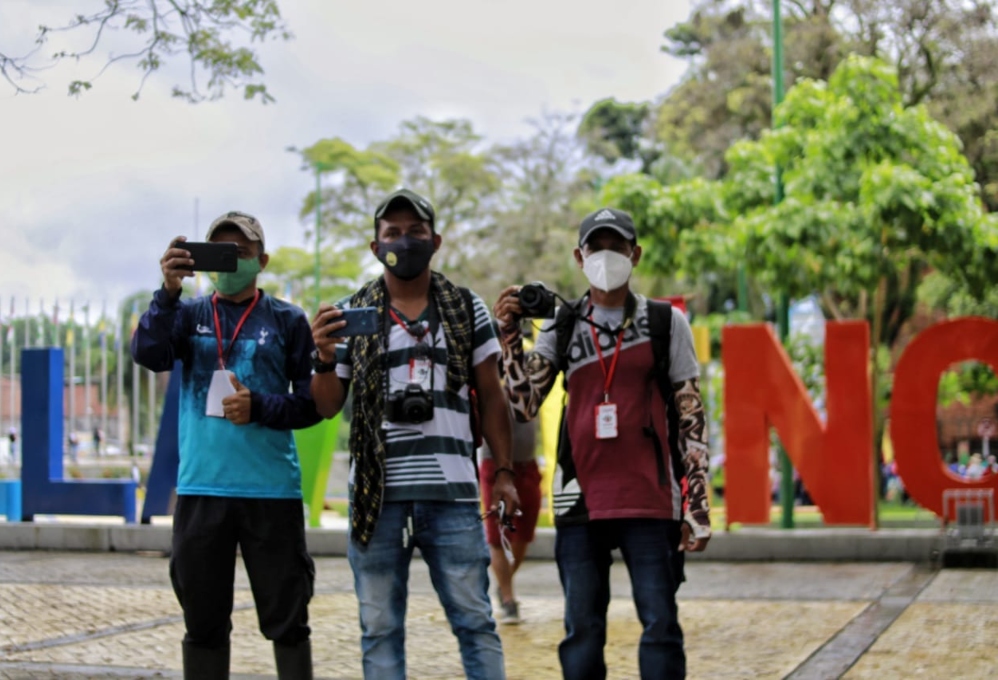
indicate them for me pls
(230, 283)
(406, 257)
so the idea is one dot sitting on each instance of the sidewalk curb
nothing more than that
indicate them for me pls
(744, 545)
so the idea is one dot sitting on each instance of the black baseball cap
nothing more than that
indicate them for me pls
(607, 218)
(421, 205)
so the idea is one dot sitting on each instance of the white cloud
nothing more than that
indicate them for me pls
(93, 189)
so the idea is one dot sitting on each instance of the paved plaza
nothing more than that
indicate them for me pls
(113, 615)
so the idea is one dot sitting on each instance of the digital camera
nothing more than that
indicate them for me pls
(412, 404)
(536, 301)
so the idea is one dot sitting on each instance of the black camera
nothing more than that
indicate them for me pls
(412, 404)
(536, 301)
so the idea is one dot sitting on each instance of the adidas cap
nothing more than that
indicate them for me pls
(607, 218)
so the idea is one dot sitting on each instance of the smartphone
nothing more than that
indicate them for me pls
(360, 321)
(211, 257)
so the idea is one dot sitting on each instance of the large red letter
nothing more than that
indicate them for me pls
(913, 405)
(761, 390)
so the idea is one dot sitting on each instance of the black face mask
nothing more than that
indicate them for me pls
(406, 257)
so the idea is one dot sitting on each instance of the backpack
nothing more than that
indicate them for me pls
(660, 330)
(474, 412)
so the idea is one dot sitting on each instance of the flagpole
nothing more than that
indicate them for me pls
(103, 369)
(27, 322)
(3, 337)
(136, 388)
(87, 405)
(40, 336)
(120, 377)
(55, 322)
(13, 367)
(71, 348)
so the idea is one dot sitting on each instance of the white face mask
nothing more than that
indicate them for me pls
(607, 270)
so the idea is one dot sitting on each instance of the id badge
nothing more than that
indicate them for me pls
(219, 389)
(419, 372)
(606, 421)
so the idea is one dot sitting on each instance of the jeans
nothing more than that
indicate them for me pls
(655, 565)
(451, 541)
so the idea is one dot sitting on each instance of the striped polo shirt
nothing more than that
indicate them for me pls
(434, 460)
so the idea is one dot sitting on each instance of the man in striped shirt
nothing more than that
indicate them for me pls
(413, 480)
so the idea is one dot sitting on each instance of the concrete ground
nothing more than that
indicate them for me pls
(82, 615)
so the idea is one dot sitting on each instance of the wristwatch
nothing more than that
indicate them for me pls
(320, 366)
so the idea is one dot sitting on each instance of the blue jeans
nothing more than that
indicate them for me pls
(655, 565)
(451, 540)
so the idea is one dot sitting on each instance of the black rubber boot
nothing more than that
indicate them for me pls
(202, 663)
(294, 662)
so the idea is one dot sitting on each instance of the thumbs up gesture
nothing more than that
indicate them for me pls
(236, 407)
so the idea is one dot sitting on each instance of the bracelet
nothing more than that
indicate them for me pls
(495, 475)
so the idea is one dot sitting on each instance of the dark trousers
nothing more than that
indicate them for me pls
(649, 548)
(270, 533)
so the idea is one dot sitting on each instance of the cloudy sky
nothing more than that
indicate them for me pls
(93, 189)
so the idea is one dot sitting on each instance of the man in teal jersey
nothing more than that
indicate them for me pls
(413, 476)
(239, 483)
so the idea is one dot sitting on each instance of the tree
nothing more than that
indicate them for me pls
(447, 162)
(532, 228)
(442, 160)
(877, 195)
(218, 38)
(941, 49)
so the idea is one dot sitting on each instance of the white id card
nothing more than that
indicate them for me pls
(606, 421)
(419, 372)
(219, 389)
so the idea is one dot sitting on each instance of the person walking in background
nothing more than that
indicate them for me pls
(508, 548)
(412, 444)
(632, 456)
(245, 387)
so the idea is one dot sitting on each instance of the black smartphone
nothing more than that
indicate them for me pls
(360, 321)
(211, 257)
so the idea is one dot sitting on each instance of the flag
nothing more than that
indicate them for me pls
(69, 325)
(134, 320)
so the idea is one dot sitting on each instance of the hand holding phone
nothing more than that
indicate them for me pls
(360, 321)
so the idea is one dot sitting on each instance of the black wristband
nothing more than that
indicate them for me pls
(495, 475)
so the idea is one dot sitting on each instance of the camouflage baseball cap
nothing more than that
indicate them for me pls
(249, 225)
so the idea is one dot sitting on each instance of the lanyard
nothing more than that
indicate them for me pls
(406, 327)
(608, 375)
(223, 356)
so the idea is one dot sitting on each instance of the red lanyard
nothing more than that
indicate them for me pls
(223, 356)
(608, 375)
(406, 327)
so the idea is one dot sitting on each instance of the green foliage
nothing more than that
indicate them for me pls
(217, 37)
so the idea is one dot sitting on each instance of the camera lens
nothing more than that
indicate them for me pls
(537, 301)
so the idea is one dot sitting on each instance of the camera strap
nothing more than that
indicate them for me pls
(419, 366)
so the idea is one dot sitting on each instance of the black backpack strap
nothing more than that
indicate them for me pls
(563, 326)
(660, 330)
(475, 414)
(569, 503)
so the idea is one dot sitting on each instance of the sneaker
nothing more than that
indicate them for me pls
(510, 615)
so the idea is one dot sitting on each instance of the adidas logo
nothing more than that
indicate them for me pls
(604, 215)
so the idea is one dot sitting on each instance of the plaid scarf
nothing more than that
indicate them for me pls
(367, 439)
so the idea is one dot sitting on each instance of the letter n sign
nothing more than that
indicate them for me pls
(762, 390)
(914, 431)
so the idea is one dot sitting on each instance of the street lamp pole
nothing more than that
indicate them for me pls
(783, 305)
(318, 225)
